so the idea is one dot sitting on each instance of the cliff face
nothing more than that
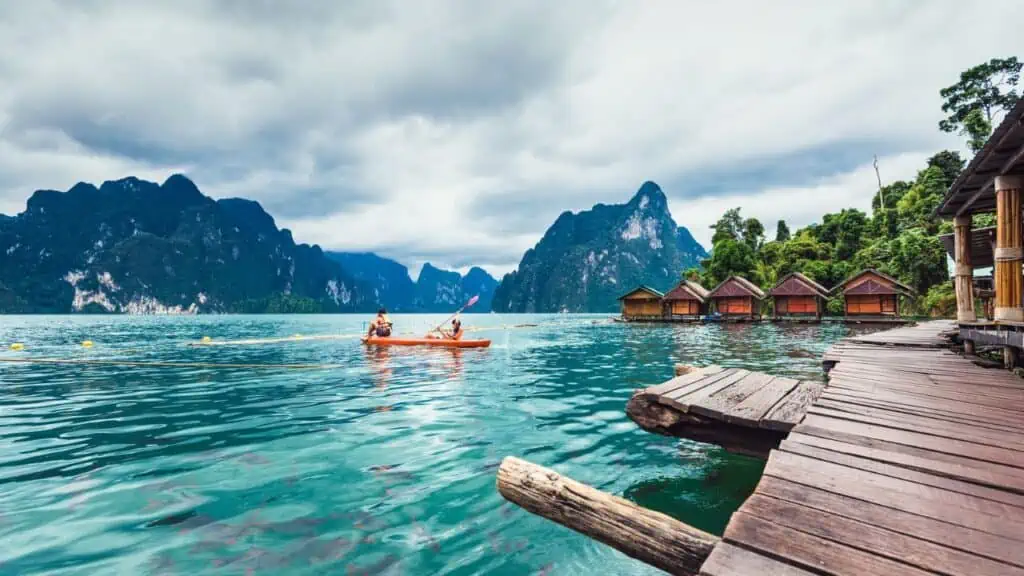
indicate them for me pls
(132, 246)
(586, 260)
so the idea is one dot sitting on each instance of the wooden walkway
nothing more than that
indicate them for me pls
(743, 411)
(910, 462)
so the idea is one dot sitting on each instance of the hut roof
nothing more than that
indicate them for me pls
(687, 290)
(796, 284)
(871, 287)
(982, 255)
(1003, 153)
(736, 286)
(642, 288)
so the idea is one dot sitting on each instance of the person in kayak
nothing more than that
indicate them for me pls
(456, 330)
(381, 325)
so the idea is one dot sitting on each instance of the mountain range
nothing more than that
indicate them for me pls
(586, 260)
(132, 246)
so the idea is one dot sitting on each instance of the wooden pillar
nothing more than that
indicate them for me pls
(964, 281)
(1008, 253)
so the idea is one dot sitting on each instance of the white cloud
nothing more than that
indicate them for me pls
(394, 125)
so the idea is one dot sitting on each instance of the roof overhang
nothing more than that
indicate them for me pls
(1003, 153)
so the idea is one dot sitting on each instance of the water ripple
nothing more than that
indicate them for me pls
(383, 465)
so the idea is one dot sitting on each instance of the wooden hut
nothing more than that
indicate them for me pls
(871, 294)
(687, 301)
(737, 299)
(797, 296)
(642, 303)
(992, 182)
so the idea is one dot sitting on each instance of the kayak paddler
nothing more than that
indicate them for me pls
(380, 326)
(455, 333)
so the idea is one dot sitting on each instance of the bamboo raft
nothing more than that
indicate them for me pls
(911, 461)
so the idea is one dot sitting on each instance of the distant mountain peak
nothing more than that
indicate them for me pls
(586, 260)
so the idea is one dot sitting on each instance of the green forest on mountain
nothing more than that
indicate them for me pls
(901, 235)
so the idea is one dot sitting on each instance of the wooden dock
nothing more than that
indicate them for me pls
(910, 462)
(744, 412)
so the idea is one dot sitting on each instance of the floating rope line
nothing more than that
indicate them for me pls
(168, 364)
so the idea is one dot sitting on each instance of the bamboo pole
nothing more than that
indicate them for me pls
(964, 281)
(648, 536)
(1009, 251)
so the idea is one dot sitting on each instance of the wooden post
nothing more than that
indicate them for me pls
(648, 536)
(964, 270)
(1011, 357)
(1008, 252)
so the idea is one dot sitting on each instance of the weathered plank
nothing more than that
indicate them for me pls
(808, 551)
(680, 381)
(690, 397)
(717, 403)
(792, 408)
(838, 527)
(753, 408)
(727, 559)
(922, 527)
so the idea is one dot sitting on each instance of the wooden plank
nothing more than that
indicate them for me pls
(791, 410)
(846, 455)
(716, 404)
(929, 426)
(727, 559)
(1003, 416)
(934, 443)
(970, 397)
(960, 509)
(750, 411)
(807, 551)
(680, 381)
(873, 539)
(696, 397)
(966, 539)
(950, 465)
(698, 385)
(845, 398)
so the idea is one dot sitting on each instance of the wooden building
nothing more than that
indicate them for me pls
(869, 294)
(642, 303)
(797, 296)
(738, 299)
(687, 301)
(992, 182)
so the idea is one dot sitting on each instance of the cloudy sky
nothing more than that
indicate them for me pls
(456, 131)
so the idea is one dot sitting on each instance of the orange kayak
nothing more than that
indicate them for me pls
(442, 342)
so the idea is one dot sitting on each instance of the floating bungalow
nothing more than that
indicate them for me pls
(688, 301)
(798, 297)
(737, 298)
(870, 295)
(642, 303)
(991, 182)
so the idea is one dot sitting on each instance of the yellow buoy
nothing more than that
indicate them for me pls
(207, 339)
(87, 344)
(17, 346)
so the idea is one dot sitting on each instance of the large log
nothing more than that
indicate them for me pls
(648, 536)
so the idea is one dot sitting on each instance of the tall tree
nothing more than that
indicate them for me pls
(973, 103)
(728, 227)
(753, 233)
(781, 231)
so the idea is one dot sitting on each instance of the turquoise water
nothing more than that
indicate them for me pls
(382, 463)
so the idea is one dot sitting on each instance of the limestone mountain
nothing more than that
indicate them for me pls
(132, 246)
(435, 290)
(586, 260)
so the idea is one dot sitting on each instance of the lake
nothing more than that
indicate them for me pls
(380, 461)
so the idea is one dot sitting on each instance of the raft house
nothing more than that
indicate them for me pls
(687, 302)
(992, 182)
(797, 298)
(642, 303)
(871, 296)
(737, 299)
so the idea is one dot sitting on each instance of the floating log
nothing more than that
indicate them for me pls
(648, 536)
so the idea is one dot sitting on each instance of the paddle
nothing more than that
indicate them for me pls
(466, 305)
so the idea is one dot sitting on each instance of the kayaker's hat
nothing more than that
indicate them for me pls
(381, 311)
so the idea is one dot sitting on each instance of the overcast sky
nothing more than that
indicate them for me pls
(457, 131)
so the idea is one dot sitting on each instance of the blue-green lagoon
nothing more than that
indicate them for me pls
(383, 461)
